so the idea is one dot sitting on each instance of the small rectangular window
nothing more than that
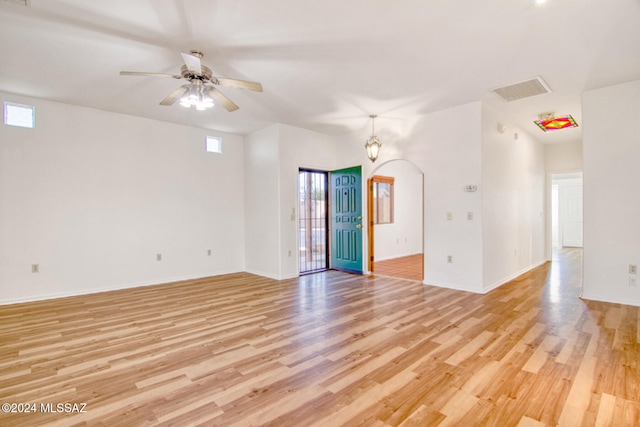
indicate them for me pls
(382, 199)
(214, 144)
(19, 115)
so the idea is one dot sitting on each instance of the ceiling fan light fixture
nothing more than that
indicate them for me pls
(189, 98)
(197, 93)
(197, 97)
(207, 102)
(373, 144)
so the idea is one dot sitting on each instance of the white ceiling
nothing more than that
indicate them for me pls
(326, 64)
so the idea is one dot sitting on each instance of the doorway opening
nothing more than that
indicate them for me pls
(396, 243)
(566, 211)
(566, 215)
(313, 221)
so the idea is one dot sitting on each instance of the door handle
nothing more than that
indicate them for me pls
(358, 225)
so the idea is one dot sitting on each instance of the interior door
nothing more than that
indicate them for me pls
(346, 219)
(571, 206)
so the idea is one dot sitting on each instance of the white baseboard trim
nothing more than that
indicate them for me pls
(453, 286)
(488, 289)
(601, 298)
(56, 295)
(511, 277)
(396, 256)
(271, 276)
(263, 274)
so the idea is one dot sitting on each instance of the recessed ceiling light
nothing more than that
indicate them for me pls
(548, 123)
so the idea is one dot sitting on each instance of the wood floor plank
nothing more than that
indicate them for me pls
(329, 349)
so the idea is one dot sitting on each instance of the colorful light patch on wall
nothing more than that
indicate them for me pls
(556, 123)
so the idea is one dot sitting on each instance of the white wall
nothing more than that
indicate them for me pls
(299, 148)
(273, 158)
(611, 144)
(404, 236)
(457, 147)
(262, 202)
(563, 157)
(513, 182)
(93, 196)
(446, 147)
(559, 158)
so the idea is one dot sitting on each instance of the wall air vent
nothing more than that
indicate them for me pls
(523, 89)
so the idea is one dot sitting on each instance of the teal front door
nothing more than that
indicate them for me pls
(346, 219)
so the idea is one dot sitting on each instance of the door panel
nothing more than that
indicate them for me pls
(571, 201)
(346, 219)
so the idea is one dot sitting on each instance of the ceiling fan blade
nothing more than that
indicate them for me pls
(192, 62)
(175, 95)
(221, 99)
(143, 74)
(241, 84)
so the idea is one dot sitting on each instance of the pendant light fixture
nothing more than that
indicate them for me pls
(373, 143)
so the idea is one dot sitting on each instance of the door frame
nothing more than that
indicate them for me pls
(327, 234)
(371, 225)
(371, 215)
(550, 177)
(370, 237)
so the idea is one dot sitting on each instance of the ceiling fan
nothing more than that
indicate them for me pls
(200, 91)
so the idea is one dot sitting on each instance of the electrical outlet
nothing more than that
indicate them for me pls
(449, 259)
(470, 216)
(208, 252)
(449, 216)
(35, 268)
(158, 257)
(633, 281)
(633, 269)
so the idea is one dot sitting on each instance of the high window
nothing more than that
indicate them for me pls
(19, 115)
(213, 144)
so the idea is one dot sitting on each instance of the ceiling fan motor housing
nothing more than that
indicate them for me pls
(187, 74)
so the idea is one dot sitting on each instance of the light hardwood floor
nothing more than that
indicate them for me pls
(327, 349)
(407, 267)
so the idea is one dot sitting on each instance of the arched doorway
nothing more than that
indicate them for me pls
(396, 220)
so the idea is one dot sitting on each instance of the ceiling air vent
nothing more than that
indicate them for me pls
(19, 2)
(523, 89)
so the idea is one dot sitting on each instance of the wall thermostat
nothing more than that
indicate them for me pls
(470, 188)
